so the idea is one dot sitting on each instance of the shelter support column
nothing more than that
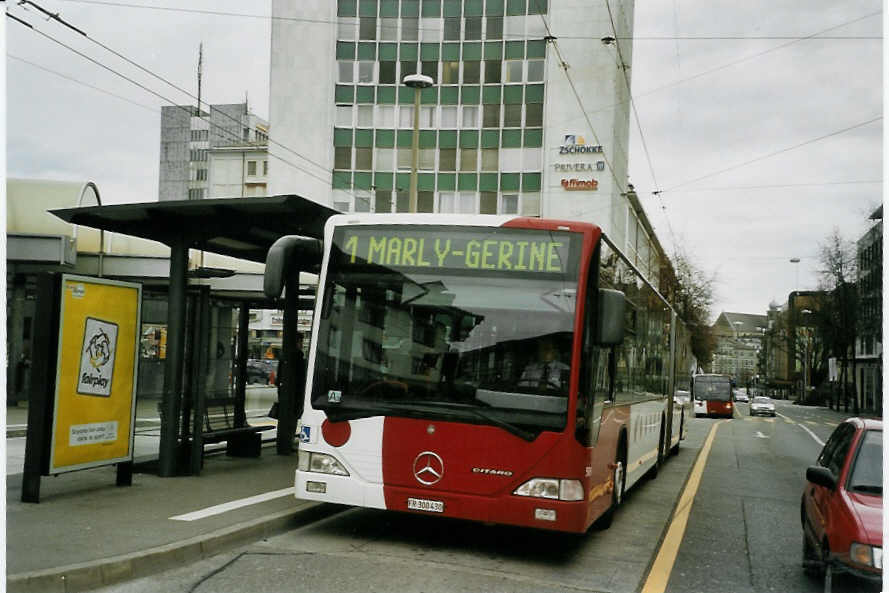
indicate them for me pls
(290, 397)
(172, 395)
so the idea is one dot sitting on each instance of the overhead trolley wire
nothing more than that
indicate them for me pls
(774, 153)
(188, 109)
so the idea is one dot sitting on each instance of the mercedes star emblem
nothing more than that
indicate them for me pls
(428, 468)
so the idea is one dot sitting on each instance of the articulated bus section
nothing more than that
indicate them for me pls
(495, 369)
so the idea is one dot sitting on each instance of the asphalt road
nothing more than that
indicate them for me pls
(744, 531)
(743, 534)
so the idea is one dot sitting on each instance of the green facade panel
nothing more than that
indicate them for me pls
(493, 50)
(516, 7)
(515, 50)
(367, 51)
(345, 50)
(509, 181)
(410, 8)
(533, 138)
(473, 7)
(384, 180)
(389, 8)
(344, 94)
(472, 51)
(469, 138)
(467, 181)
(427, 138)
(342, 137)
(385, 138)
(447, 181)
(490, 138)
(494, 7)
(405, 94)
(536, 49)
(429, 96)
(346, 8)
(534, 93)
(431, 8)
(365, 94)
(537, 6)
(367, 7)
(430, 51)
(491, 94)
(452, 8)
(450, 95)
(386, 95)
(447, 139)
(405, 138)
(410, 52)
(450, 52)
(426, 181)
(530, 181)
(362, 181)
(512, 139)
(402, 181)
(364, 138)
(512, 94)
(342, 180)
(470, 95)
(388, 52)
(487, 182)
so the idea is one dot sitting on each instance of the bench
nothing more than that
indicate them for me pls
(242, 440)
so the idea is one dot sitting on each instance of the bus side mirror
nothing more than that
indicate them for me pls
(612, 307)
(283, 255)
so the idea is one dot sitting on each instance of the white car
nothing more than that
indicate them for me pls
(762, 406)
(740, 396)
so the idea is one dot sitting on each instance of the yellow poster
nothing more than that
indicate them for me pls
(95, 399)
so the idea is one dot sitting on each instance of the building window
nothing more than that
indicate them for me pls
(430, 69)
(446, 203)
(385, 159)
(473, 28)
(491, 116)
(427, 159)
(386, 116)
(447, 159)
(452, 29)
(514, 70)
(408, 68)
(492, 71)
(471, 72)
(427, 117)
(470, 116)
(342, 157)
(201, 175)
(344, 116)
(251, 167)
(466, 203)
(364, 159)
(487, 203)
(265, 167)
(406, 116)
(196, 194)
(365, 116)
(367, 31)
(346, 72)
(449, 117)
(509, 204)
(512, 116)
(383, 201)
(366, 72)
(490, 159)
(535, 71)
(468, 159)
(387, 72)
(533, 115)
(362, 202)
(388, 29)
(450, 72)
(200, 135)
(494, 27)
(409, 29)
(404, 158)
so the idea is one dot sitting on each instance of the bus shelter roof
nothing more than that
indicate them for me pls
(244, 228)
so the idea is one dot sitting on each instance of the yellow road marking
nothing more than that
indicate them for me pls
(659, 575)
(813, 423)
(769, 420)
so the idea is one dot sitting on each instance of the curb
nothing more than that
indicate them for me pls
(107, 571)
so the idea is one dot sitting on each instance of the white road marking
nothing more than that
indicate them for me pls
(806, 428)
(234, 504)
(759, 435)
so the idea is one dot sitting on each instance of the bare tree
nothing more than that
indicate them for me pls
(693, 299)
(839, 316)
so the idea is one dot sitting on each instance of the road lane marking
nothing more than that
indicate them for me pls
(812, 422)
(759, 435)
(234, 504)
(806, 428)
(659, 575)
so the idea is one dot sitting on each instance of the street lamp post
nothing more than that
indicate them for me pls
(805, 357)
(418, 82)
(795, 260)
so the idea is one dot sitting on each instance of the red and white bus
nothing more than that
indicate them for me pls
(712, 395)
(491, 368)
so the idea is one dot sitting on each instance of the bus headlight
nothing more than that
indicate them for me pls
(867, 555)
(551, 488)
(321, 463)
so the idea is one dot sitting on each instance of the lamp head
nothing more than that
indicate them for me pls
(418, 81)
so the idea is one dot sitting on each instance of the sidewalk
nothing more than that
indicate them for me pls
(86, 532)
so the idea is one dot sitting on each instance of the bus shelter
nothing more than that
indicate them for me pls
(243, 228)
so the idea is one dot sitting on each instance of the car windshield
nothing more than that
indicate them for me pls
(713, 388)
(762, 400)
(867, 473)
(471, 339)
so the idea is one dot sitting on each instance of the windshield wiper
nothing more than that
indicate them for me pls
(867, 488)
(474, 410)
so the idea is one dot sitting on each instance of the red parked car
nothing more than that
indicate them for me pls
(842, 504)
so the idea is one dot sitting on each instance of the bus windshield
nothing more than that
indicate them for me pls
(713, 388)
(470, 324)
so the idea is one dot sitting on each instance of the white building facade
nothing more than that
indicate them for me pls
(238, 172)
(503, 129)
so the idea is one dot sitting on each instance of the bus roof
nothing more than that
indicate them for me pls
(492, 220)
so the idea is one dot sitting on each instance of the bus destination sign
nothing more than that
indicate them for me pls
(471, 248)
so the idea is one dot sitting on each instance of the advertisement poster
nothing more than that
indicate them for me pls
(95, 398)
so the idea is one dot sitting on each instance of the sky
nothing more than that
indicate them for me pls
(756, 129)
